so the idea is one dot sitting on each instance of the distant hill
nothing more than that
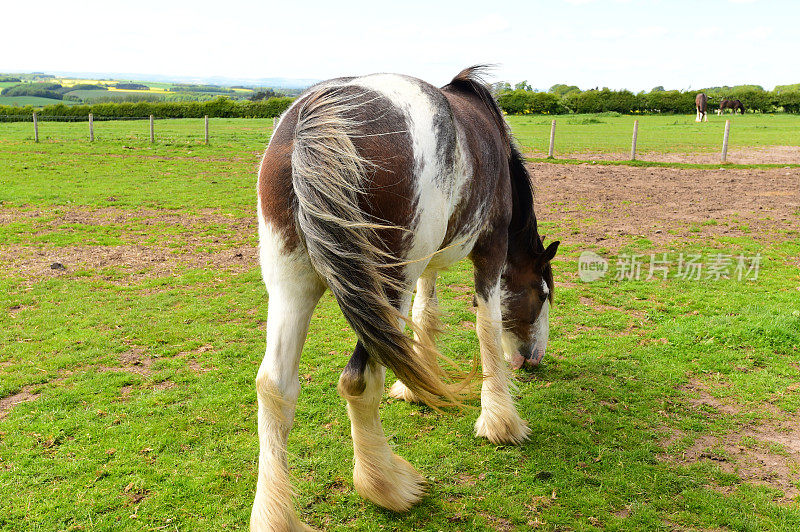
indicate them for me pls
(99, 87)
(276, 83)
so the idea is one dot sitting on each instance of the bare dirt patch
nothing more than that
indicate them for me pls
(7, 403)
(184, 241)
(128, 263)
(609, 206)
(739, 155)
(764, 452)
(705, 399)
(135, 360)
(164, 385)
(192, 361)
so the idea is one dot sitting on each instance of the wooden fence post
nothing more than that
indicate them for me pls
(91, 127)
(725, 141)
(633, 141)
(35, 128)
(206, 129)
(552, 140)
(152, 133)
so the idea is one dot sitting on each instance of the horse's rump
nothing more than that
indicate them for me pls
(373, 189)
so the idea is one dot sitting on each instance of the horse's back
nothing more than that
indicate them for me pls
(435, 157)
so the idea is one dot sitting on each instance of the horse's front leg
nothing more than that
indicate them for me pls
(499, 420)
(291, 303)
(425, 315)
(378, 474)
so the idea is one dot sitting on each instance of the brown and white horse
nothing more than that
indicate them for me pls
(734, 105)
(369, 186)
(701, 103)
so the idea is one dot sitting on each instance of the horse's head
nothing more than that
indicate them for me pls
(527, 291)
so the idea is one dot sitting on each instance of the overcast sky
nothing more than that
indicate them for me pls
(634, 44)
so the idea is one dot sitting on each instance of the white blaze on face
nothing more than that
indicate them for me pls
(541, 333)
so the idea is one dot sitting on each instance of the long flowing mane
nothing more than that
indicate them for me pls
(523, 228)
(471, 81)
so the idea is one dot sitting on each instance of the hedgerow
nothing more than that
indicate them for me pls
(220, 107)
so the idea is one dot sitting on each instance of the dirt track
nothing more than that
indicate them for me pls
(596, 205)
(746, 155)
(611, 204)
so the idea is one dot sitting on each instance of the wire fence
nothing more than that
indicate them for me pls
(761, 139)
(582, 137)
(98, 129)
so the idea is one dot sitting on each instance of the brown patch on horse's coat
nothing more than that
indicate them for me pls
(275, 182)
(389, 198)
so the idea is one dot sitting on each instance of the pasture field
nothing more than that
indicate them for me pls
(605, 135)
(110, 93)
(35, 101)
(132, 321)
(155, 90)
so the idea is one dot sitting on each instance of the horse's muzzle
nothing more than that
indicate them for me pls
(527, 357)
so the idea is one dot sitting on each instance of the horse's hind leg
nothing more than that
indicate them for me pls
(378, 474)
(294, 290)
(425, 315)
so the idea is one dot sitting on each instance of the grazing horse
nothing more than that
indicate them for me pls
(701, 103)
(368, 187)
(730, 104)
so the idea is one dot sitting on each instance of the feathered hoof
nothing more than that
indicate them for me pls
(397, 486)
(508, 428)
(401, 391)
(290, 523)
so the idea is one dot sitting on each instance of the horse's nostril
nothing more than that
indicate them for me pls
(535, 358)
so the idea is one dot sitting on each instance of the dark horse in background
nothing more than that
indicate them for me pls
(735, 105)
(701, 103)
(369, 187)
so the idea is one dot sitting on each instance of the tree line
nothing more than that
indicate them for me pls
(520, 99)
(561, 99)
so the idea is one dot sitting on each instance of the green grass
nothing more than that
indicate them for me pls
(90, 94)
(35, 101)
(665, 134)
(111, 446)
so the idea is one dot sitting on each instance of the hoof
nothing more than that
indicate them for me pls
(396, 487)
(508, 428)
(401, 391)
(261, 522)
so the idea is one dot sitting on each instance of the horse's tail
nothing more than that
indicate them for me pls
(343, 242)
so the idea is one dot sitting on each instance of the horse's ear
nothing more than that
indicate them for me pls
(548, 254)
